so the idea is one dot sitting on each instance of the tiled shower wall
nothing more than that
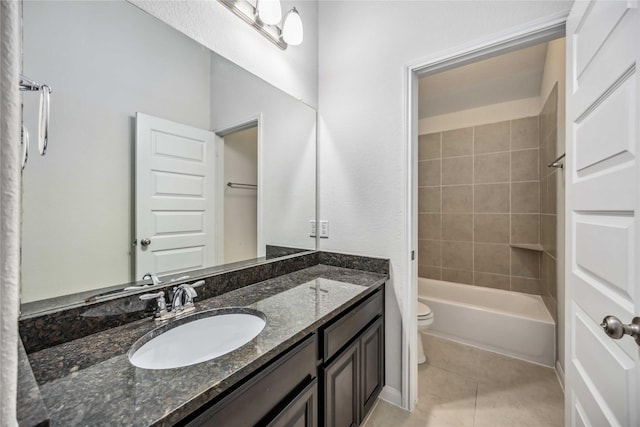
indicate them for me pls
(548, 201)
(479, 194)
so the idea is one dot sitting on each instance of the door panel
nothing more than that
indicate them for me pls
(603, 202)
(174, 196)
(341, 386)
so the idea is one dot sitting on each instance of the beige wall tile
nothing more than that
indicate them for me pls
(544, 205)
(457, 276)
(489, 280)
(429, 146)
(491, 198)
(552, 192)
(544, 274)
(525, 197)
(430, 272)
(457, 170)
(525, 228)
(457, 199)
(457, 142)
(525, 263)
(489, 168)
(457, 227)
(491, 138)
(457, 255)
(429, 199)
(548, 233)
(430, 253)
(428, 173)
(429, 226)
(491, 228)
(552, 278)
(524, 165)
(524, 133)
(525, 285)
(491, 258)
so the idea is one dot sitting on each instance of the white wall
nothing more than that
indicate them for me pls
(286, 149)
(240, 204)
(77, 200)
(363, 49)
(294, 70)
(493, 113)
(554, 71)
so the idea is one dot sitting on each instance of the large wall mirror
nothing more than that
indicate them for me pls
(163, 156)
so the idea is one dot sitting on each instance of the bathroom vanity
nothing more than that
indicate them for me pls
(318, 361)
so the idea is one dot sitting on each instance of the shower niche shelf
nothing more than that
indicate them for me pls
(528, 246)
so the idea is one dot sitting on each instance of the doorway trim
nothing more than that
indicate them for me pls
(519, 37)
(253, 121)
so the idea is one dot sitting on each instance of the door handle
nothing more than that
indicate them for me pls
(145, 242)
(616, 329)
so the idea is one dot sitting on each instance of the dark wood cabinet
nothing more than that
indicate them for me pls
(302, 411)
(341, 388)
(354, 377)
(331, 378)
(255, 401)
(372, 366)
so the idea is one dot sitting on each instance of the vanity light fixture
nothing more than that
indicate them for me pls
(292, 32)
(269, 11)
(265, 16)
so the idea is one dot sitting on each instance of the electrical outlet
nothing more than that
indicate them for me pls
(324, 229)
(312, 228)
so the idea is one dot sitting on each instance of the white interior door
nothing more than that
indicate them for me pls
(603, 205)
(175, 196)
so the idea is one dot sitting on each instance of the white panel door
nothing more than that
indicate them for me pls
(175, 199)
(603, 207)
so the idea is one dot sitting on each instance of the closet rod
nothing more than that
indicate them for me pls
(240, 185)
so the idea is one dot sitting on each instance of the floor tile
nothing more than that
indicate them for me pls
(530, 403)
(462, 386)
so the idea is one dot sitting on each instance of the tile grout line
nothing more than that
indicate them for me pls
(510, 209)
(473, 207)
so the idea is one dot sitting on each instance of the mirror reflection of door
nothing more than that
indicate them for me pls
(241, 195)
(175, 197)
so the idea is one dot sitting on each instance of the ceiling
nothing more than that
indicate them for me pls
(514, 75)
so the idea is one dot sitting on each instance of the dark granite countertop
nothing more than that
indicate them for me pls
(89, 381)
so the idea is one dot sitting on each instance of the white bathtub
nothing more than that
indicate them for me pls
(510, 323)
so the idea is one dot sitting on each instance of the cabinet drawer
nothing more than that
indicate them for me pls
(256, 398)
(301, 411)
(347, 327)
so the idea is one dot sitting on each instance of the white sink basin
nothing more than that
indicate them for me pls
(194, 341)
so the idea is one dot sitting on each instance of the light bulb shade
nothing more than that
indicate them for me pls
(270, 11)
(292, 32)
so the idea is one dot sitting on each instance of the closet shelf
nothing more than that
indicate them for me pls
(529, 246)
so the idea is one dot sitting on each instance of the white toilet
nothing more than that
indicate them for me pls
(425, 319)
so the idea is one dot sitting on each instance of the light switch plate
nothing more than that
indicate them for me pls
(312, 228)
(324, 229)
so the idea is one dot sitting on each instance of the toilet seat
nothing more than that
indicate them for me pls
(424, 312)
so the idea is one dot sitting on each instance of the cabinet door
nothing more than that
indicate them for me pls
(372, 370)
(301, 411)
(341, 389)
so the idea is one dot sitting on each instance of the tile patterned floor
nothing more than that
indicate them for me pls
(462, 386)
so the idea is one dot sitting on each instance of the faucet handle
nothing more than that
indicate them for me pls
(162, 304)
(153, 277)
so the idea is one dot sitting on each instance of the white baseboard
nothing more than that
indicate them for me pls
(560, 374)
(391, 395)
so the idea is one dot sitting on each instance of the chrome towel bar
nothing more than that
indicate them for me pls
(557, 163)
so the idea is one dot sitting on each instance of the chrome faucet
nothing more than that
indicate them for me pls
(153, 277)
(181, 303)
(183, 297)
